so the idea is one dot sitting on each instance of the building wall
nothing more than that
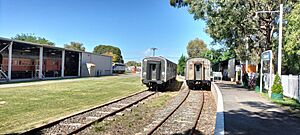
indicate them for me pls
(103, 64)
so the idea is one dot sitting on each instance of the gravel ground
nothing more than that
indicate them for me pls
(139, 119)
(133, 120)
(207, 120)
(68, 125)
(161, 114)
(182, 121)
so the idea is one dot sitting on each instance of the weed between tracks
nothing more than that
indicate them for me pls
(134, 121)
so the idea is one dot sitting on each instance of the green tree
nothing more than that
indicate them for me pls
(277, 86)
(292, 42)
(196, 48)
(115, 52)
(133, 63)
(75, 46)
(234, 23)
(181, 65)
(218, 55)
(33, 39)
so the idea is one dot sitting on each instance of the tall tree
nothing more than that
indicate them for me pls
(32, 38)
(196, 48)
(181, 65)
(235, 23)
(292, 42)
(75, 46)
(218, 55)
(133, 63)
(115, 52)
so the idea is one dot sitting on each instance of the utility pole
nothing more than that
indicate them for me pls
(279, 37)
(153, 50)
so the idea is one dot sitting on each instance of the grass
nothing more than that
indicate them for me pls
(25, 107)
(292, 104)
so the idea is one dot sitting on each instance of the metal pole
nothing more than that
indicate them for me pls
(79, 64)
(242, 74)
(247, 47)
(153, 50)
(260, 80)
(280, 40)
(41, 63)
(271, 66)
(9, 60)
(63, 63)
(299, 88)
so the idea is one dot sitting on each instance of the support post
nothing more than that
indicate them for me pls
(299, 88)
(79, 64)
(63, 55)
(247, 47)
(280, 40)
(271, 66)
(41, 63)
(242, 74)
(261, 75)
(9, 61)
(236, 76)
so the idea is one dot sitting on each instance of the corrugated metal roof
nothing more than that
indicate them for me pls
(47, 46)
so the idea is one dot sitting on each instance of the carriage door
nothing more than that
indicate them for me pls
(198, 71)
(154, 69)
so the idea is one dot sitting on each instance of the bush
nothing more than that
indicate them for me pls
(277, 86)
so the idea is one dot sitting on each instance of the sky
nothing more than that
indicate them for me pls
(132, 25)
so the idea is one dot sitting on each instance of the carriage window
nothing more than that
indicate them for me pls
(153, 68)
(197, 67)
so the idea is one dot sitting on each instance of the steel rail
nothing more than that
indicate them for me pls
(168, 116)
(38, 129)
(198, 116)
(107, 115)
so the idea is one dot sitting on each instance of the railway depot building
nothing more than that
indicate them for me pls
(21, 60)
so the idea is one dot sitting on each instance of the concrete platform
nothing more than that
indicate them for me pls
(247, 112)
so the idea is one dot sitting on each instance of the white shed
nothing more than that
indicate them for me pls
(95, 65)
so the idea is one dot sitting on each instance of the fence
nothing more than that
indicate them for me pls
(290, 84)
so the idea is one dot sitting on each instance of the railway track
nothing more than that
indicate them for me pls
(183, 118)
(77, 122)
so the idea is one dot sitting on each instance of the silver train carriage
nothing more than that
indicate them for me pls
(157, 72)
(198, 73)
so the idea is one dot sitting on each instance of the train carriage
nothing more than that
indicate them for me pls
(157, 72)
(198, 73)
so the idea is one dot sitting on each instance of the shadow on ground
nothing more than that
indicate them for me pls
(228, 86)
(188, 132)
(265, 121)
(174, 86)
